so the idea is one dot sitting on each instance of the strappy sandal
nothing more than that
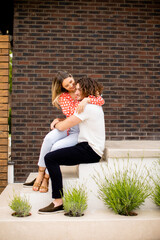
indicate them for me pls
(44, 189)
(38, 184)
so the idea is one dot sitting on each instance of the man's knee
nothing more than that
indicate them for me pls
(50, 158)
(47, 159)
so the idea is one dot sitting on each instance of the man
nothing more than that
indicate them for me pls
(91, 141)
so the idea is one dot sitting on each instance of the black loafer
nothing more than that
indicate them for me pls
(30, 184)
(51, 209)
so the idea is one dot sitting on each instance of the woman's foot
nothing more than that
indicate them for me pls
(44, 185)
(39, 179)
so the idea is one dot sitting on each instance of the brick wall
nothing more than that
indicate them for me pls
(4, 86)
(116, 42)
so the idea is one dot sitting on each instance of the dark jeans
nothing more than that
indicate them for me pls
(80, 153)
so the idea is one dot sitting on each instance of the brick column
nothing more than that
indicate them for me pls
(4, 86)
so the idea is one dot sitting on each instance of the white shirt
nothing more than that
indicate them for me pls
(92, 128)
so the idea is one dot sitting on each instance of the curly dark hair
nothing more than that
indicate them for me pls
(89, 86)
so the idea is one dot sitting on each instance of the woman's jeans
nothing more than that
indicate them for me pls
(56, 139)
(80, 153)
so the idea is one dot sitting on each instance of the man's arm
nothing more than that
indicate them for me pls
(68, 123)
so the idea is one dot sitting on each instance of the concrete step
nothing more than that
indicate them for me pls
(113, 149)
(70, 171)
(67, 172)
(135, 149)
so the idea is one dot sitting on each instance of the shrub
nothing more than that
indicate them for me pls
(156, 194)
(20, 206)
(123, 189)
(156, 182)
(75, 201)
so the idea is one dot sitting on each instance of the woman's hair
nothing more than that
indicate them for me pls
(89, 86)
(57, 88)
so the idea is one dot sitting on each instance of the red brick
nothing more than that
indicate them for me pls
(116, 43)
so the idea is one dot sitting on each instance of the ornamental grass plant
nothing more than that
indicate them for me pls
(155, 176)
(75, 201)
(123, 186)
(156, 194)
(20, 206)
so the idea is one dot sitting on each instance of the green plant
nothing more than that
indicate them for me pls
(20, 205)
(155, 176)
(75, 201)
(156, 194)
(123, 189)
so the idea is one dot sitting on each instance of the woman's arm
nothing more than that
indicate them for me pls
(92, 100)
(55, 121)
(67, 104)
(68, 123)
(96, 100)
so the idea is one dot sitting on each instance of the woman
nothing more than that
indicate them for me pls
(63, 95)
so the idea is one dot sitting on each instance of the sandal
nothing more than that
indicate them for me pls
(44, 189)
(38, 184)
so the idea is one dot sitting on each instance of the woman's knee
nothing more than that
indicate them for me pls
(54, 136)
(48, 137)
(56, 146)
(69, 141)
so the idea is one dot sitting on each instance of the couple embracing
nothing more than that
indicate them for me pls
(79, 138)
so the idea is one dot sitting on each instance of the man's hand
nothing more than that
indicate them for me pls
(82, 105)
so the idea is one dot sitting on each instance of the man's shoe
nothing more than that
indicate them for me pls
(30, 184)
(51, 209)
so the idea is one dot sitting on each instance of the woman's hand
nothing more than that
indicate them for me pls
(55, 121)
(82, 105)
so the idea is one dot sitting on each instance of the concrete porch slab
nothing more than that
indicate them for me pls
(94, 225)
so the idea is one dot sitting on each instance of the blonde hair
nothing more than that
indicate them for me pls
(57, 87)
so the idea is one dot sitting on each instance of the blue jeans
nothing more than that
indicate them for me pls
(56, 139)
